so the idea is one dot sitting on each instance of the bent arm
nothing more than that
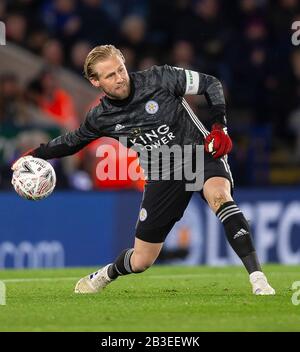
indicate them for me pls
(182, 82)
(203, 84)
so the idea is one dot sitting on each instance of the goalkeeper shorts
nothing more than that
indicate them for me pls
(165, 201)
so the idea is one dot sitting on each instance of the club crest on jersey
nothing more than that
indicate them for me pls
(151, 107)
(143, 214)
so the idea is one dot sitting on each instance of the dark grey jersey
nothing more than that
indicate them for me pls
(155, 114)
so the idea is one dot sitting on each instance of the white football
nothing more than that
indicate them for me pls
(33, 178)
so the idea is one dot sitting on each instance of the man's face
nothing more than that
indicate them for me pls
(112, 78)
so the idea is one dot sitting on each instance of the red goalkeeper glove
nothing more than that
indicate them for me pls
(218, 143)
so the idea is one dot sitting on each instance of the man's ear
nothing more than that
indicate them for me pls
(95, 82)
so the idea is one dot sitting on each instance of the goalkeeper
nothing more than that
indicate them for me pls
(149, 110)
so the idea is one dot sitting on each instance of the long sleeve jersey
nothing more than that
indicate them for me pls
(155, 114)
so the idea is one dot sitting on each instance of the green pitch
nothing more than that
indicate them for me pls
(163, 298)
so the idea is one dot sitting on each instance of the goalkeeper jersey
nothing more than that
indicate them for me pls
(155, 114)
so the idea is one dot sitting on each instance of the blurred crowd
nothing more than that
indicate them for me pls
(245, 43)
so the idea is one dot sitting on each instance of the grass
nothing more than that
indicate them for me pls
(164, 298)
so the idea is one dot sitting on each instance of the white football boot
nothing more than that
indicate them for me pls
(260, 285)
(94, 282)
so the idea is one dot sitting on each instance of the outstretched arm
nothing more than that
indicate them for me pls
(67, 144)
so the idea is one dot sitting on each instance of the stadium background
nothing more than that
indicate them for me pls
(246, 44)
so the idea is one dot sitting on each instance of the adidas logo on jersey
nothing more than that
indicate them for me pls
(240, 233)
(119, 127)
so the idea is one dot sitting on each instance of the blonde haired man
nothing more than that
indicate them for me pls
(148, 109)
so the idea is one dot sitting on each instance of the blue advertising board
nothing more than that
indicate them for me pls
(90, 229)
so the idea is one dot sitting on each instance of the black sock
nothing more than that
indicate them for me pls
(121, 265)
(239, 235)
(251, 262)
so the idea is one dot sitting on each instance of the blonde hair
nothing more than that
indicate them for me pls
(99, 53)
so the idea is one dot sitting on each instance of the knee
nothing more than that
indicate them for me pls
(218, 197)
(140, 264)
